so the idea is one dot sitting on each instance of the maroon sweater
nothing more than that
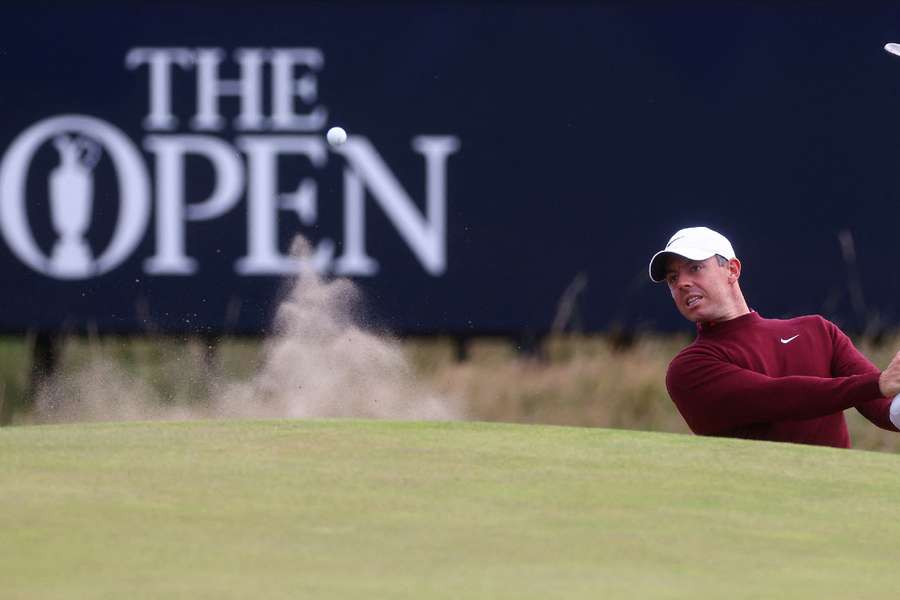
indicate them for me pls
(769, 379)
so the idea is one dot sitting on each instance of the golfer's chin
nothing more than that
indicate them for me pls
(696, 314)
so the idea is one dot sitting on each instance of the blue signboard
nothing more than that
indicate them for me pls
(507, 167)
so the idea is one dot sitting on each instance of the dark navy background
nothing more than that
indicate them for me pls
(589, 134)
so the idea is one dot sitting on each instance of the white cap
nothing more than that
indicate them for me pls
(693, 243)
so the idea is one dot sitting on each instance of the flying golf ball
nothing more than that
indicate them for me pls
(336, 136)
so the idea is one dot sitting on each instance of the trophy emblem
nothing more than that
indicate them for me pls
(71, 203)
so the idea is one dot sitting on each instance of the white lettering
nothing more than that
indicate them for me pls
(285, 88)
(426, 236)
(81, 142)
(263, 256)
(171, 210)
(354, 260)
(160, 83)
(210, 88)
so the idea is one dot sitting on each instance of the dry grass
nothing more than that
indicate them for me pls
(580, 381)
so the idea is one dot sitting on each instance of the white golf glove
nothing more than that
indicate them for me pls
(895, 411)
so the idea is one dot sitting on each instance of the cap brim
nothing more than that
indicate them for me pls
(658, 262)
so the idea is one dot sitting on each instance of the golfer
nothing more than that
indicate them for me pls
(765, 379)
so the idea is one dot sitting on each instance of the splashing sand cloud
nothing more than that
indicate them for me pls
(319, 362)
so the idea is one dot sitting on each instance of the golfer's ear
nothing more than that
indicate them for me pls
(734, 270)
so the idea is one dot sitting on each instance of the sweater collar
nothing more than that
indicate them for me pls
(721, 327)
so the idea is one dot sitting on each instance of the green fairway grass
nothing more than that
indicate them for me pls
(351, 509)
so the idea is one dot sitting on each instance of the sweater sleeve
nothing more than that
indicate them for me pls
(847, 360)
(716, 396)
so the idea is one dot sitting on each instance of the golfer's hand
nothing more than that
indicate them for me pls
(889, 382)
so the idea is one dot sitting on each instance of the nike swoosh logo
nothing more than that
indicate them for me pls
(790, 339)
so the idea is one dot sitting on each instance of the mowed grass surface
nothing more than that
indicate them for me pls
(349, 509)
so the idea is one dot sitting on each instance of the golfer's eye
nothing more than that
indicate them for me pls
(695, 268)
(672, 278)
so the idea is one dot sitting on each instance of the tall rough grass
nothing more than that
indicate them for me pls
(579, 381)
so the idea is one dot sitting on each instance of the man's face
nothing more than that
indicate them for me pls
(701, 288)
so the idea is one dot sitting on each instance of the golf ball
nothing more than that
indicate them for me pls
(336, 136)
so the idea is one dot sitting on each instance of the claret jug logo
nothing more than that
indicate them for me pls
(247, 167)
